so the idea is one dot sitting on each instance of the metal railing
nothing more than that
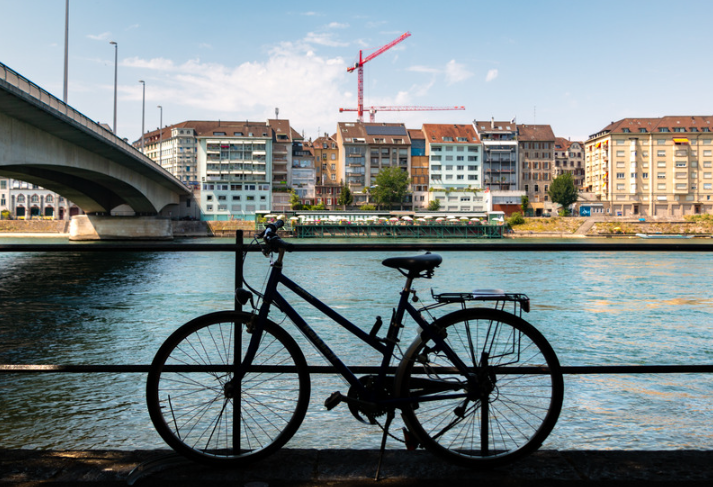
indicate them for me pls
(239, 247)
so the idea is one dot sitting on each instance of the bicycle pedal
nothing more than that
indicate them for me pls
(333, 400)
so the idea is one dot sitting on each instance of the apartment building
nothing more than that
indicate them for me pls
(569, 158)
(500, 157)
(419, 169)
(659, 167)
(174, 149)
(536, 152)
(304, 173)
(455, 166)
(382, 144)
(329, 170)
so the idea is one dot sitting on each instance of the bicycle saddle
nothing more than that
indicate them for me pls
(415, 264)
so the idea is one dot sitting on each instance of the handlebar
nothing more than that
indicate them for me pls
(272, 240)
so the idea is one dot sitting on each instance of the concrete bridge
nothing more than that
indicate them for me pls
(45, 142)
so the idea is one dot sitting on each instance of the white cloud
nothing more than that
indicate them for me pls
(337, 25)
(423, 69)
(323, 40)
(456, 72)
(492, 74)
(303, 84)
(158, 64)
(100, 37)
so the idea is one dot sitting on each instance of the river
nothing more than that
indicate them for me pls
(596, 308)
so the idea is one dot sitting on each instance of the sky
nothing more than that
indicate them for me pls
(573, 65)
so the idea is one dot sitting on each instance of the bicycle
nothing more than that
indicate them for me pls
(478, 386)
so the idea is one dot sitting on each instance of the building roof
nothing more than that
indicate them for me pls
(674, 123)
(450, 133)
(530, 133)
(369, 132)
(493, 125)
(561, 143)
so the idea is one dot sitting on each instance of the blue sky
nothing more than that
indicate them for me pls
(573, 65)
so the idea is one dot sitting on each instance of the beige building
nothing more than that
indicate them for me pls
(652, 166)
(537, 160)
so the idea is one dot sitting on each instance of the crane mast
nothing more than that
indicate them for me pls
(359, 66)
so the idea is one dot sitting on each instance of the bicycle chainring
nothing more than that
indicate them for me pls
(367, 411)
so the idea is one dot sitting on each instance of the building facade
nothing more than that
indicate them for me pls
(24, 201)
(500, 154)
(329, 171)
(455, 166)
(657, 167)
(569, 158)
(536, 147)
(366, 148)
(419, 169)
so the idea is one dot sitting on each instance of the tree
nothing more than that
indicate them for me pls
(563, 191)
(391, 186)
(345, 197)
(434, 204)
(295, 202)
(524, 203)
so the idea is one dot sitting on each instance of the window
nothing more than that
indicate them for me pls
(645, 175)
(661, 153)
(706, 185)
(472, 168)
(620, 175)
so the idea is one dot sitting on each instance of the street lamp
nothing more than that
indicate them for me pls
(116, 66)
(160, 137)
(143, 112)
(66, 48)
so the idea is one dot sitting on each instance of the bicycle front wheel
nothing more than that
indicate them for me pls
(205, 415)
(502, 408)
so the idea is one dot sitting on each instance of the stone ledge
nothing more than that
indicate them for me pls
(357, 468)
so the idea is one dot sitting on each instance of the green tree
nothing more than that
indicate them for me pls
(345, 197)
(563, 191)
(391, 186)
(434, 204)
(524, 203)
(295, 202)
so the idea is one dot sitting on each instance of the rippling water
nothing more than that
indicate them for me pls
(596, 308)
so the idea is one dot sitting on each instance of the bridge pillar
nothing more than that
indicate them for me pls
(93, 227)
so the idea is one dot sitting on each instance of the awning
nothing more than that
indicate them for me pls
(680, 141)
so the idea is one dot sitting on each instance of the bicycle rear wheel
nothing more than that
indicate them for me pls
(203, 414)
(506, 405)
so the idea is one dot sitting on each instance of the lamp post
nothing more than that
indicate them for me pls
(143, 113)
(66, 48)
(160, 138)
(116, 66)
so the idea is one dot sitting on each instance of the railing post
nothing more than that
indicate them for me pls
(238, 267)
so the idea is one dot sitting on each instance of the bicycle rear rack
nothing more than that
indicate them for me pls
(520, 301)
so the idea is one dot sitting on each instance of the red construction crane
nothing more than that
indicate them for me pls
(359, 66)
(373, 110)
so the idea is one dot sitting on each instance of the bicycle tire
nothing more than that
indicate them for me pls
(499, 417)
(196, 414)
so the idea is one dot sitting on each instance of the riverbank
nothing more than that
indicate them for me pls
(554, 227)
(357, 468)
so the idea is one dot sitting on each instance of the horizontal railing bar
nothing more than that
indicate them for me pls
(319, 369)
(372, 247)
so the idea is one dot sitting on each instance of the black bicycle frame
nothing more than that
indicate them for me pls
(385, 346)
